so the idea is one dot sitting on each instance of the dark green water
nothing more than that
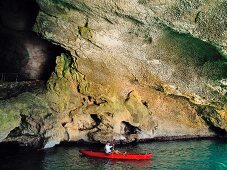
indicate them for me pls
(202, 154)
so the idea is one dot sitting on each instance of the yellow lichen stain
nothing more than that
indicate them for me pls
(223, 114)
(85, 32)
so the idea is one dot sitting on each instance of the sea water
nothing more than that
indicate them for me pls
(186, 155)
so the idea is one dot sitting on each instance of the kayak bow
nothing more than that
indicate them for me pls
(116, 155)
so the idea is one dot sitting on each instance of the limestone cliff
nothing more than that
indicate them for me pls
(136, 69)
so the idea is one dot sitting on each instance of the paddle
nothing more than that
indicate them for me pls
(113, 143)
(113, 149)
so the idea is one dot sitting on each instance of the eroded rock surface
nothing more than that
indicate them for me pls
(135, 70)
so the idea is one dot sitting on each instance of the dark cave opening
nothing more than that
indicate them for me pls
(23, 54)
(208, 114)
(130, 129)
(96, 119)
(221, 133)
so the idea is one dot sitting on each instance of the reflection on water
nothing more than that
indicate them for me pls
(204, 154)
(110, 163)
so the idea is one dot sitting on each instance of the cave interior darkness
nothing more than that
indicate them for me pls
(23, 53)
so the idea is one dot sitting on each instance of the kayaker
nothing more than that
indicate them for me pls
(108, 148)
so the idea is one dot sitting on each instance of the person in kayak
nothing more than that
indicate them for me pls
(110, 148)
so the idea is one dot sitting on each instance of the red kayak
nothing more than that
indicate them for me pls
(116, 155)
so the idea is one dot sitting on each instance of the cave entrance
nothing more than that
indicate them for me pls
(23, 54)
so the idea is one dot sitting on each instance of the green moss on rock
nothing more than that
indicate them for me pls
(27, 104)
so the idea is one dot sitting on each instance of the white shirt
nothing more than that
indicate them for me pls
(108, 148)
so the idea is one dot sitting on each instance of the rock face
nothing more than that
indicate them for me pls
(135, 70)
